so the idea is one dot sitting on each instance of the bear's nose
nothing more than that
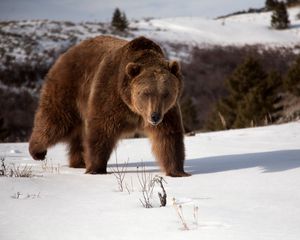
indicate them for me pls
(155, 117)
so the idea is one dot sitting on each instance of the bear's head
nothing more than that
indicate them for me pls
(152, 85)
(154, 89)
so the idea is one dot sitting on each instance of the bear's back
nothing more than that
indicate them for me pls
(85, 57)
(70, 78)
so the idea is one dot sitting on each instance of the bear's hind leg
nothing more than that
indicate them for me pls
(48, 130)
(76, 151)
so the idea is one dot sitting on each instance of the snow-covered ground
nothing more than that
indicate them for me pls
(252, 28)
(245, 183)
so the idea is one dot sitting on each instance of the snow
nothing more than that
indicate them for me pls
(245, 184)
(78, 10)
(41, 41)
(240, 29)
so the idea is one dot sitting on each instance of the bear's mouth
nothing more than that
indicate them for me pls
(155, 123)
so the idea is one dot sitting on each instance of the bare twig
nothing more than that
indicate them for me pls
(127, 188)
(223, 121)
(48, 166)
(131, 182)
(147, 185)
(162, 197)
(3, 167)
(196, 214)
(179, 212)
(119, 173)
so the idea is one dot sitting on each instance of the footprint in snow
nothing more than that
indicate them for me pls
(15, 151)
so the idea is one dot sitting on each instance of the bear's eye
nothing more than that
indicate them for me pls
(146, 94)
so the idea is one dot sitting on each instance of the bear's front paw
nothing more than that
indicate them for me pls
(178, 174)
(37, 152)
(91, 170)
(38, 155)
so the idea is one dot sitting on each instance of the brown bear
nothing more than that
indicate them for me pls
(104, 88)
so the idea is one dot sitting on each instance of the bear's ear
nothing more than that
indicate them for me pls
(174, 67)
(133, 69)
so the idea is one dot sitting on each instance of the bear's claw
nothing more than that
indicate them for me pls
(39, 155)
(178, 174)
(99, 171)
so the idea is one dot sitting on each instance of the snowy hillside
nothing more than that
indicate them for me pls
(245, 185)
(252, 28)
(37, 40)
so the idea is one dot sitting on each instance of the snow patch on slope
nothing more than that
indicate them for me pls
(241, 29)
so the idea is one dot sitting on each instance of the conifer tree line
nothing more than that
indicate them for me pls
(253, 95)
(270, 4)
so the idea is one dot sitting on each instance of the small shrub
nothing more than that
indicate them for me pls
(15, 171)
(147, 183)
(18, 171)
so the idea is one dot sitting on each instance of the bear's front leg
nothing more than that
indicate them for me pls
(168, 145)
(99, 145)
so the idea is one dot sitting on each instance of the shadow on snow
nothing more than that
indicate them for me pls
(275, 161)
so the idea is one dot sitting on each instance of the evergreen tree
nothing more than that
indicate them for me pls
(119, 20)
(270, 4)
(243, 85)
(124, 21)
(249, 110)
(258, 105)
(280, 17)
(251, 98)
(292, 80)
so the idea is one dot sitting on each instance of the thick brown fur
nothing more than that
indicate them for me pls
(104, 88)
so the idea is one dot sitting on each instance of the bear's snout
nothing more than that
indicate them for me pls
(155, 118)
